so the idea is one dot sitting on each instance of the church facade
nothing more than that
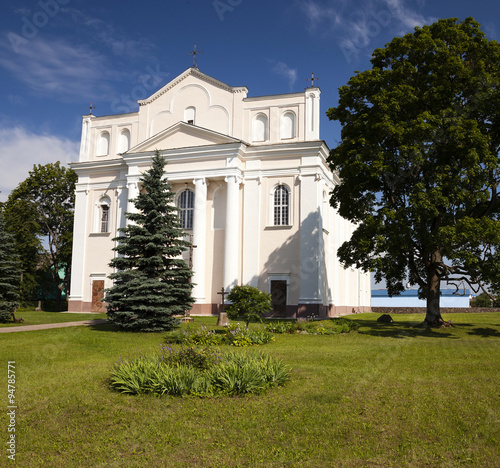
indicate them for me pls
(252, 186)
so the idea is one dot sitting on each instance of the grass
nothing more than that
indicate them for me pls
(32, 317)
(386, 395)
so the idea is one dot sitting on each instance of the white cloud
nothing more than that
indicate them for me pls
(105, 36)
(407, 17)
(284, 70)
(56, 67)
(85, 67)
(357, 25)
(21, 149)
(318, 14)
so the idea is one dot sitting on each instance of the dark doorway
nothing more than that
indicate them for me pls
(278, 296)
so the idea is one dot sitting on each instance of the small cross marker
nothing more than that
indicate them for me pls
(223, 293)
(194, 53)
(90, 108)
(312, 80)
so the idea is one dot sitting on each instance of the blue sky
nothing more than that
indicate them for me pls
(56, 56)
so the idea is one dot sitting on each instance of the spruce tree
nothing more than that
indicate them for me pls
(10, 274)
(152, 281)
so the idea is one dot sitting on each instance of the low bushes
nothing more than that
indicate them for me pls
(321, 327)
(233, 335)
(189, 371)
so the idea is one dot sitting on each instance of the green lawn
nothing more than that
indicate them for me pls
(386, 395)
(32, 317)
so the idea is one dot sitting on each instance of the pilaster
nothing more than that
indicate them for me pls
(312, 114)
(311, 232)
(199, 239)
(79, 244)
(231, 257)
(251, 231)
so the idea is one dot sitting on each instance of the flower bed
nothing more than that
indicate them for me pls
(191, 371)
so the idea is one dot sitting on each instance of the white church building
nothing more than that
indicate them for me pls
(252, 185)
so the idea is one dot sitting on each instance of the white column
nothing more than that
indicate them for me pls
(79, 239)
(251, 232)
(121, 207)
(199, 239)
(231, 257)
(132, 193)
(311, 233)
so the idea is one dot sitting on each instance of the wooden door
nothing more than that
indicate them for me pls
(97, 296)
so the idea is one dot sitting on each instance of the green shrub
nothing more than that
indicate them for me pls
(320, 327)
(189, 356)
(205, 337)
(248, 303)
(282, 327)
(134, 377)
(177, 381)
(198, 372)
(201, 336)
(260, 337)
(237, 336)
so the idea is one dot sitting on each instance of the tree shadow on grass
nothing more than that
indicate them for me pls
(485, 332)
(107, 327)
(400, 330)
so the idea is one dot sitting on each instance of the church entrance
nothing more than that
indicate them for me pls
(278, 296)
(97, 296)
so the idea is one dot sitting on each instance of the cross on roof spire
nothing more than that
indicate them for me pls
(194, 53)
(312, 80)
(90, 108)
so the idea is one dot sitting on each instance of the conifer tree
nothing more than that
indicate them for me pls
(152, 281)
(10, 274)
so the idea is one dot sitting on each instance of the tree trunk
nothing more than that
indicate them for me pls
(433, 312)
(433, 316)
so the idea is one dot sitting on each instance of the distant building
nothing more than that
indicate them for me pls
(252, 184)
(409, 298)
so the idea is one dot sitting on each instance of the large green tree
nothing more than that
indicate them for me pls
(10, 273)
(418, 161)
(38, 212)
(151, 284)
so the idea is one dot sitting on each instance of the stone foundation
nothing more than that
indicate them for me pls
(422, 310)
(292, 311)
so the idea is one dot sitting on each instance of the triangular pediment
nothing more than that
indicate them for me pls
(182, 135)
(194, 72)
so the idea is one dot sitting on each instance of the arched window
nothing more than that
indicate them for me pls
(185, 203)
(281, 205)
(103, 144)
(190, 115)
(287, 129)
(102, 217)
(124, 141)
(259, 128)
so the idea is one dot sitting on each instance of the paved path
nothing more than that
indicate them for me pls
(46, 326)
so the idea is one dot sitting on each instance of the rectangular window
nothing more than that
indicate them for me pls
(281, 206)
(186, 206)
(104, 218)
